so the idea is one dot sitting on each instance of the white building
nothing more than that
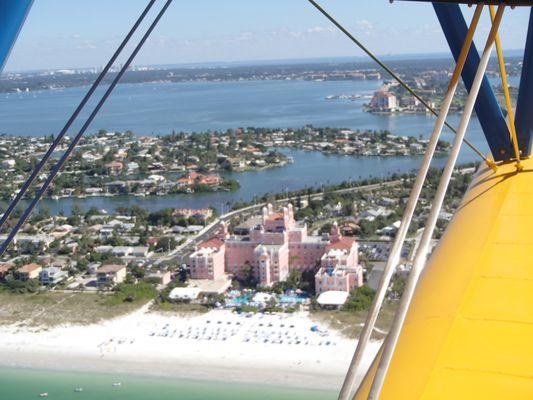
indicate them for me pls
(52, 275)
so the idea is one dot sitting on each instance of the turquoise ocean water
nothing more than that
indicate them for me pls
(25, 384)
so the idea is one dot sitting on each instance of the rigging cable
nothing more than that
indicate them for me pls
(508, 104)
(394, 256)
(77, 138)
(423, 248)
(72, 118)
(489, 162)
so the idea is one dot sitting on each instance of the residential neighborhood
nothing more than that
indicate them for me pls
(333, 240)
(121, 163)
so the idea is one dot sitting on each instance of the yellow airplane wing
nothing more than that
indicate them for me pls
(469, 330)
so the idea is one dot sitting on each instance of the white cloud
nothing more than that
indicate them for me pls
(364, 25)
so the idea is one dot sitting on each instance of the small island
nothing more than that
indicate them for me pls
(121, 163)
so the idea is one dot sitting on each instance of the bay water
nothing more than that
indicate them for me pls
(160, 108)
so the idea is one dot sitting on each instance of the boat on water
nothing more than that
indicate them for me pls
(45, 394)
(78, 390)
(116, 384)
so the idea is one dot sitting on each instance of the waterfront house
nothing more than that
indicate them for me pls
(193, 178)
(92, 191)
(111, 274)
(187, 179)
(120, 187)
(52, 275)
(384, 101)
(237, 163)
(28, 271)
(155, 178)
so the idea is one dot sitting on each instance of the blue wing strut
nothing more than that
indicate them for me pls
(488, 111)
(524, 106)
(12, 16)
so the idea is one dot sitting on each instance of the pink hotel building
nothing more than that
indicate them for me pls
(276, 246)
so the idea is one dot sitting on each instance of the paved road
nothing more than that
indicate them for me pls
(178, 254)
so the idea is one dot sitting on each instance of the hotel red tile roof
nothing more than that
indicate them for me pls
(210, 243)
(275, 216)
(345, 243)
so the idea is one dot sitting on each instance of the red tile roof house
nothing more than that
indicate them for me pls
(189, 179)
(4, 270)
(114, 167)
(210, 180)
(193, 177)
(29, 271)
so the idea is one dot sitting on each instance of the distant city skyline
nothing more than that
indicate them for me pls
(75, 34)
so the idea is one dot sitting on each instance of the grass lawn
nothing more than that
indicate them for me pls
(350, 323)
(49, 309)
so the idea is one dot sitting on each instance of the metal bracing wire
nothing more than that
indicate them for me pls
(423, 247)
(508, 104)
(57, 167)
(37, 170)
(394, 256)
(395, 76)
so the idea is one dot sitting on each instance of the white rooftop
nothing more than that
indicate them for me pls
(184, 293)
(332, 298)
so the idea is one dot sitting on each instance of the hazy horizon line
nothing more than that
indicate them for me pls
(276, 61)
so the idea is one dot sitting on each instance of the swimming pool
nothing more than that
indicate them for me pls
(292, 298)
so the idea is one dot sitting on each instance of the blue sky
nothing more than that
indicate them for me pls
(81, 33)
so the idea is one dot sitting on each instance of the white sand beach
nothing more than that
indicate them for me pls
(219, 345)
